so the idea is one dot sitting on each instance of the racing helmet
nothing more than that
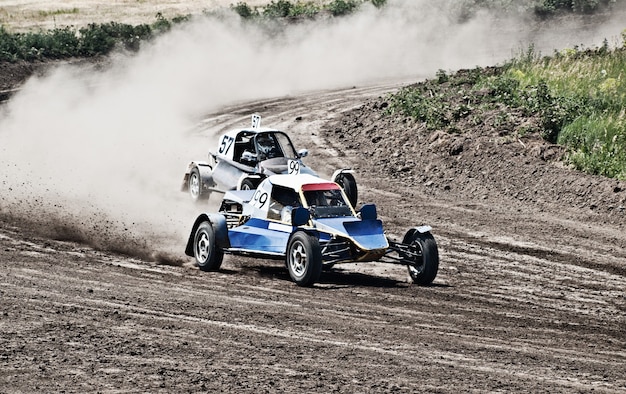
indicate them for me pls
(265, 145)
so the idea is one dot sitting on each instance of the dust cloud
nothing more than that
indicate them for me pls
(98, 155)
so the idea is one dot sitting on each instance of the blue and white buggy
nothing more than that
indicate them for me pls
(308, 222)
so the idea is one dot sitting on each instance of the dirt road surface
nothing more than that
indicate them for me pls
(529, 298)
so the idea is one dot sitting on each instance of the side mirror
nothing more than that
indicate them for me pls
(300, 216)
(368, 212)
(303, 153)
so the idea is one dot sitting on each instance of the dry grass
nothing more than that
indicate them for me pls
(30, 15)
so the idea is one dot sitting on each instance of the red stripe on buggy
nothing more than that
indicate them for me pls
(319, 186)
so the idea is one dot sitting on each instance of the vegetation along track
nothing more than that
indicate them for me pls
(529, 297)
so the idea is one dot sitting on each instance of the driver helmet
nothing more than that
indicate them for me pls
(265, 144)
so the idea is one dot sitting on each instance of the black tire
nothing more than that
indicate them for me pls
(424, 270)
(208, 255)
(196, 191)
(248, 184)
(304, 259)
(348, 184)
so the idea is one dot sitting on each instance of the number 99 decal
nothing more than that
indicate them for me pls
(294, 167)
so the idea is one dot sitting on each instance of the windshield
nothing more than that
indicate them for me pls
(286, 146)
(270, 145)
(327, 203)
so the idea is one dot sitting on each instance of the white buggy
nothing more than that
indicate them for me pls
(244, 157)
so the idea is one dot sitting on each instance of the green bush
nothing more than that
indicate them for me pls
(379, 3)
(95, 40)
(9, 46)
(278, 9)
(244, 10)
(101, 38)
(550, 7)
(305, 9)
(342, 7)
(55, 44)
(419, 103)
(91, 40)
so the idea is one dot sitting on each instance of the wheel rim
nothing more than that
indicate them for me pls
(298, 259)
(203, 246)
(417, 267)
(194, 185)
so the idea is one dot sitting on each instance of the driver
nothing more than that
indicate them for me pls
(265, 146)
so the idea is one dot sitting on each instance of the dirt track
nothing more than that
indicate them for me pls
(529, 298)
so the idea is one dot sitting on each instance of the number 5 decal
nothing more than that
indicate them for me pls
(294, 167)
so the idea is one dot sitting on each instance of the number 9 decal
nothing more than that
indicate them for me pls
(294, 167)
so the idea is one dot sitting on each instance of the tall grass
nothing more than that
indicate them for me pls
(587, 104)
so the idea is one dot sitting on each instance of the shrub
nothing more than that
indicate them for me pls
(342, 7)
(305, 9)
(9, 47)
(278, 9)
(550, 7)
(379, 3)
(244, 10)
(95, 40)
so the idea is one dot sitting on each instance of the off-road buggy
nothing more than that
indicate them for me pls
(244, 157)
(307, 222)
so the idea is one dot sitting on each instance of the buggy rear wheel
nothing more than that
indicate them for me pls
(425, 265)
(304, 259)
(248, 184)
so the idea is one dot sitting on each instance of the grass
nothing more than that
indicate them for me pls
(587, 91)
(577, 95)
(67, 11)
(301, 9)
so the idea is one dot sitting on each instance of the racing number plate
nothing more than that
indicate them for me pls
(293, 167)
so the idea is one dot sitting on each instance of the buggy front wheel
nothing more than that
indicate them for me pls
(304, 259)
(347, 182)
(208, 255)
(425, 265)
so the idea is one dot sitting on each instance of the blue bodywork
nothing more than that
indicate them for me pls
(263, 236)
(266, 236)
(366, 234)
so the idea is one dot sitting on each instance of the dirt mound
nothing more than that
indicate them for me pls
(487, 162)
